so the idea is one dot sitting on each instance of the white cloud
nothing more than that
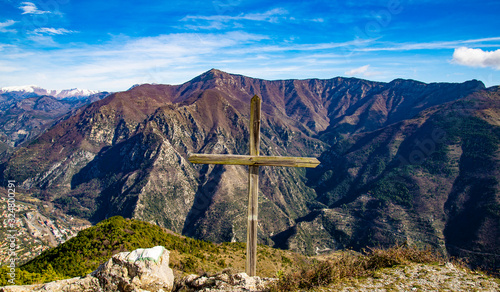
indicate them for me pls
(357, 71)
(363, 71)
(4, 25)
(52, 31)
(44, 36)
(30, 8)
(477, 58)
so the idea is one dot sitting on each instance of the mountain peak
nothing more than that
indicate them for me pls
(211, 74)
(214, 71)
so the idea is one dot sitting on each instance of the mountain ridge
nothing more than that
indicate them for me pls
(22, 118)
(33, 90)
(126, 155)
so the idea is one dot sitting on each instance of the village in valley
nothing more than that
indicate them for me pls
(38, 227)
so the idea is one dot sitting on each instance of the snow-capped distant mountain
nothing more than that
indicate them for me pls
(33, 90)
(27, 111)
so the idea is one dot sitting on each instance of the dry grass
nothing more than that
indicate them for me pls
(349, 264)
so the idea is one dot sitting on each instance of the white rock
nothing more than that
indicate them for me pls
(144, 268)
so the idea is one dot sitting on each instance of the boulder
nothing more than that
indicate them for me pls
(145, 269)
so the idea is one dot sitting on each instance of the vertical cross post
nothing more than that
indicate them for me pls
(253, 188)
(254, 161)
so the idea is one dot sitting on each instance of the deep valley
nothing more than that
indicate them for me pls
(402, 162)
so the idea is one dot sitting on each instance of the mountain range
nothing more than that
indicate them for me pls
(33, 90)
(401, 162)
(27, 111)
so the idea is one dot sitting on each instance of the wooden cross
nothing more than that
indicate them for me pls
(253, 161)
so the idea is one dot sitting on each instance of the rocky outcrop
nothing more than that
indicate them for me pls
(225, 281)
(141, 270)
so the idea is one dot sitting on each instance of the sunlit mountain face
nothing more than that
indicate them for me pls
(401, 162)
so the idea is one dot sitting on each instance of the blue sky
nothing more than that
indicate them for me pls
(112, 45)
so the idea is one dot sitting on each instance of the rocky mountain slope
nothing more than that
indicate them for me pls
(400, 161)
(24, 119)
(428, 180)
(26, 112)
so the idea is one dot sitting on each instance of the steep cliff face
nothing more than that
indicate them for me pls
(431, 180)
(395, 161)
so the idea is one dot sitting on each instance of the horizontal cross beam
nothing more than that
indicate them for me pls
(254, 160)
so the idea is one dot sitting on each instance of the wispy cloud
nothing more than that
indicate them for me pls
(357, 71)
(5, 67)
(477, 58)
(52, 31)
(482, 40)
(268, 16)
(362, 71)
(429, 45)
(207, 22)
(175, 58)
(30, 8)
(4, 25)
(125, 61)
(344, 47)
(44, 36)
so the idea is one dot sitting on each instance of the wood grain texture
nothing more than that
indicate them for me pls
(253, 188)
(253, 211)
(254, 126)
(231, 159)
